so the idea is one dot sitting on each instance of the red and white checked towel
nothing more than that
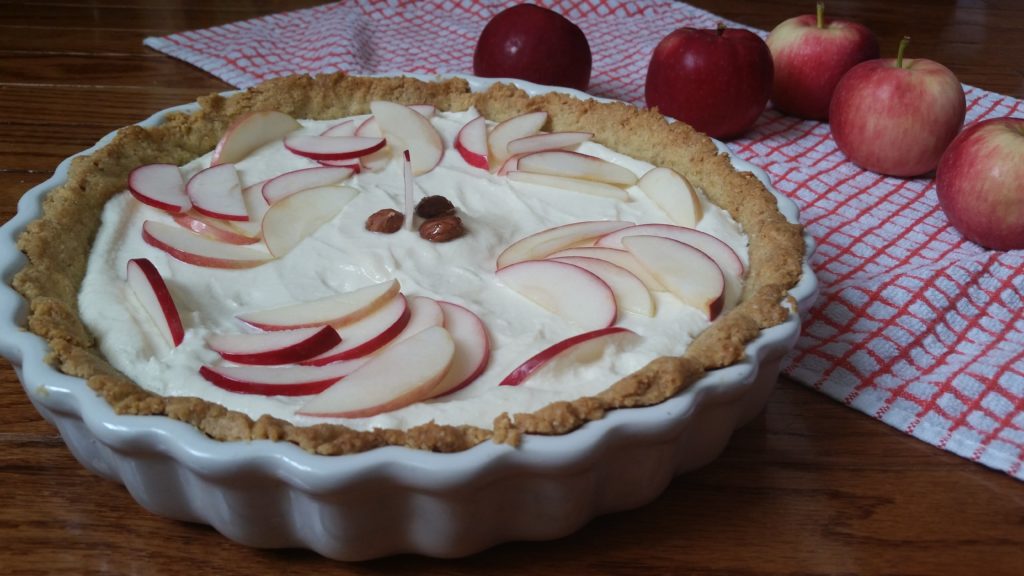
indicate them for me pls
(914, 326)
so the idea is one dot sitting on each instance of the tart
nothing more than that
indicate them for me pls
(60, 245)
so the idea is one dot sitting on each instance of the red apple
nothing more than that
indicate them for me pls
(718, 81)
(896, 116)
(980, 183)
(534, 44)
(811, 53)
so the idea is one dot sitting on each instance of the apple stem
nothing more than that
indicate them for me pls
(721, 28)
(821, 14)
(899, 51)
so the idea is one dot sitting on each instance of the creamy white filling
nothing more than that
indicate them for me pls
(342, 256)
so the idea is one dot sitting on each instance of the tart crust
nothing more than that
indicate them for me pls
(57, 246)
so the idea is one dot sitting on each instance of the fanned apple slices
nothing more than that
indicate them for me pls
(404, 351)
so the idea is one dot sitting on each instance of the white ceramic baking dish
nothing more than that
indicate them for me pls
(393, 500)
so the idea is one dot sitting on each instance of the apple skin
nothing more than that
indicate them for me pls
(534, 44)
(717, 81)
(809, 61)
(897, 121)
(980, 183)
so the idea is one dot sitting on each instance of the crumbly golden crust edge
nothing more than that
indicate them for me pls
(57, 247)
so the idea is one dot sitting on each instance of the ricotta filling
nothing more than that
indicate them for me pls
(342, 256)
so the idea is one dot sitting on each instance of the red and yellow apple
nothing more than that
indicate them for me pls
(811, 54)
(896, 116)
(980, 183)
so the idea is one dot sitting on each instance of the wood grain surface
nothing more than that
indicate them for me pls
(810, 487)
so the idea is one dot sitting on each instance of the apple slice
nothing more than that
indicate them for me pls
(630, 293)
(370, 127)
(278, 381)
(578, 349)
(510, 165)
(160, 186)
(409, 190)
(423, 313)
(674, 194)
(514, 128)
(547, 141)
(354, 165)
(256, 206)
(210, 228)
(566, 290)
(195, 249)
(289, 183)
(471, 143)
(425, 110)
(145, 281)
(472, 349)
(415, 132)
(338, 310)
(216, 192)
(251, 131)
(719, 251)
(576, 165)
(343, 128)
(332, 147)
(396, 377)
(620, 258)
(685, 271)
(272, 348)
(368, 334)
(591, 187)
(291, 220)
(551, 240)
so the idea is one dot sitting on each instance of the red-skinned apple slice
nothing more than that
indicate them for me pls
(407, 181)
(160, 186)
(685, 271)
(194, 249)
(591, 187)
(251, 131)
(674, 194)
(620, 258)
(551, 240)
(719, 251)
(399, 375)
(370, 127)
(566, 290)
(216, 192)
(415, 132)
(510, 165)
(576, 165)
(278, 381)
(332, 147)
(256, 206)
(289, 183)
(472, 349)
(630, 293)
(343, 128)
(369, 334)
(210, 228)
(291, 220)
(471, 143)
(338, 310)
(354, 165)
(547, 141)
(145, 281)
(577, 349)
(423, 313)
(273, 348)
(514, 128)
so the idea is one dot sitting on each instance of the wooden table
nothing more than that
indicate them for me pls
(810, 487)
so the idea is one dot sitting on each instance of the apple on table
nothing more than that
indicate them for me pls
(534, 44)
(980, 183)
(811, 53)
(895, 116)
(717, 81)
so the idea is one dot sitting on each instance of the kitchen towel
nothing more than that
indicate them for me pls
(914, 326)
